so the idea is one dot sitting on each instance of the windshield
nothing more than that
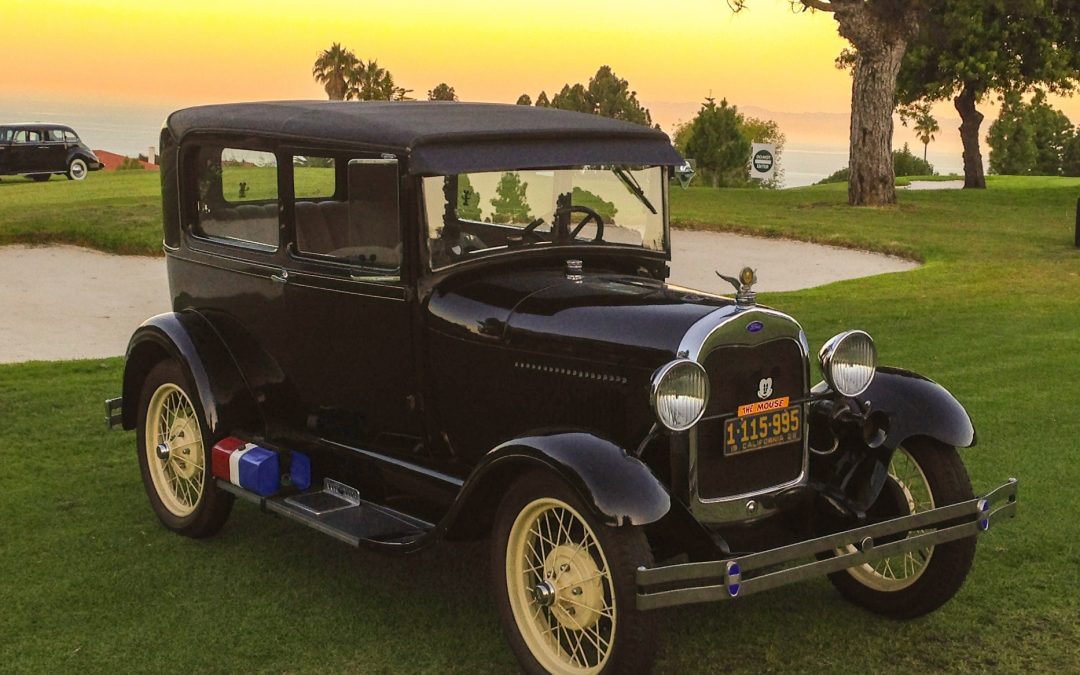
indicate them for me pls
(476, 214)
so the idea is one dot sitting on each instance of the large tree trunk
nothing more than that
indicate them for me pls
(970, 122)
(873, 98)
(880, 32)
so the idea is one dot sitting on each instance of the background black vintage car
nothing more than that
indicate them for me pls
(40, 150)
(401, 323)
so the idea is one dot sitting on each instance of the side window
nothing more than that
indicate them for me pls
(56, 135)
(26, 136)
(70, 137)
(237, 196)
(360, 227)
(5, 135)
(314, 177)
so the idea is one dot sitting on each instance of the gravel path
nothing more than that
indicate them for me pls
(64, 302)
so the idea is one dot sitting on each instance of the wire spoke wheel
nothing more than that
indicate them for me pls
(902, 570)
(560, 588)
(174, 450)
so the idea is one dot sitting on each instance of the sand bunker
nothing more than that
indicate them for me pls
(64, 302)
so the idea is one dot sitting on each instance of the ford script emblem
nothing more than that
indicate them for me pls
(754, 326)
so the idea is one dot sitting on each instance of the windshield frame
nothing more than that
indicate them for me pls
(495, 253)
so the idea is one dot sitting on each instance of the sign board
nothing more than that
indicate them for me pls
(762, 161)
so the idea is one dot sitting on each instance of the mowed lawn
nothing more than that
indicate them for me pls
(89, 581)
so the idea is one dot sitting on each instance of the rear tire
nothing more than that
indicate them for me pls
(77, 169)
(929, 475)
(174, 455)
(565, 583)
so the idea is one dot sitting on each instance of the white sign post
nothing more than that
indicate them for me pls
(762, 161)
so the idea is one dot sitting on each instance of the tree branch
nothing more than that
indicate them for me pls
(819, 5)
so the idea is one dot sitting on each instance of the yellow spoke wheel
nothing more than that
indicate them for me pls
(566, 584)
(923, 474)
(560, 588)
(175, 455)
(901, 571)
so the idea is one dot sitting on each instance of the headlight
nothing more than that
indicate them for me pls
(680, 391)
(848, 362)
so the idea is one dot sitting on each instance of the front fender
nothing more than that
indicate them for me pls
(188, 338)
(619, 488)
(917, 406)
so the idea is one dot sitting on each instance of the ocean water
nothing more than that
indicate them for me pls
(131, 129)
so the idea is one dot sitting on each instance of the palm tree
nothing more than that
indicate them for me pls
(332, 70)
(367, 82)
(925, 128)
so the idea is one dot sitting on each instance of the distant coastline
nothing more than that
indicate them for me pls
(816, 142)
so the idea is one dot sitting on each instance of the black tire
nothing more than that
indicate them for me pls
(40, 177)
(77, 169)
(948, 565)
(625, 548)
(213, 506)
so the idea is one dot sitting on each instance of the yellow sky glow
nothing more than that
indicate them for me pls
(202, 51)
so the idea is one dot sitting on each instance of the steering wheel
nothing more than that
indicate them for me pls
(590, 214)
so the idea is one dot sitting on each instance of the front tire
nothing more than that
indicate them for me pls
(77, 169)
(924, 474)
(565, 583)
(174, 455)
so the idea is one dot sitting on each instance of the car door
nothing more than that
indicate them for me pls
(26, 149)
(350, 309)
(55, 154)
(5, 150)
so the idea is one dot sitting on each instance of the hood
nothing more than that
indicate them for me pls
(607, 317)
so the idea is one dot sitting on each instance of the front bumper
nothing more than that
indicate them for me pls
(716, 580)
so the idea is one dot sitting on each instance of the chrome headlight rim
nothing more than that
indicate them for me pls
(658, 380)
(827, 359)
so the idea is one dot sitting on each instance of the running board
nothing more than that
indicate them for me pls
(338, 510)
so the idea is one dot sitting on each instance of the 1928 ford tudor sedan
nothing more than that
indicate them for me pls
(400, 323)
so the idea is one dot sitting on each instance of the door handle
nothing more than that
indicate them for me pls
(282, 278)
(42, 147)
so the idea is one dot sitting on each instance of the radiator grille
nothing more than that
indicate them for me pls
(734, 376)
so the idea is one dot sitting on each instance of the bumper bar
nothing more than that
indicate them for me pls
(114, 412)
(726, 579)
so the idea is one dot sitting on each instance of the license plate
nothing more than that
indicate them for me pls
(750, 432)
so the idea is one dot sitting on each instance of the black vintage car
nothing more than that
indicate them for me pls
(40, 150)
(402, 323)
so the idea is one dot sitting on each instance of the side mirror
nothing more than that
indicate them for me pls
(685, 173)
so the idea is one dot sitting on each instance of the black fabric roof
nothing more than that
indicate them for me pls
(444, 137)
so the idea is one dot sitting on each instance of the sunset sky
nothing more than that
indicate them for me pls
(174, 54)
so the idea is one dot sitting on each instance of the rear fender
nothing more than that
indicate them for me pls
(619, 489)
(188, 338)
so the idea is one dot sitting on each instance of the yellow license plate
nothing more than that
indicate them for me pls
(763, 430)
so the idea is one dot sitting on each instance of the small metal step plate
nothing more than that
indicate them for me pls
(334, 496)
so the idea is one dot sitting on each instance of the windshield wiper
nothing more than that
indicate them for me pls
(634, 187)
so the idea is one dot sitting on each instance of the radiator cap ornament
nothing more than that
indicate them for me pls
(744, 292)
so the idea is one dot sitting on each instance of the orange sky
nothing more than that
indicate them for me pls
(198, 51)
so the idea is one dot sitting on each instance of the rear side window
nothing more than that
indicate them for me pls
(55, 134)
(359, 224)
(237, 196)
(5, 135)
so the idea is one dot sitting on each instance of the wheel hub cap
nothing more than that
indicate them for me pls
(544, 594)
(163, 452)
(579, 594)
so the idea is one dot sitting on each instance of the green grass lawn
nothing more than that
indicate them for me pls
(89, 581)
